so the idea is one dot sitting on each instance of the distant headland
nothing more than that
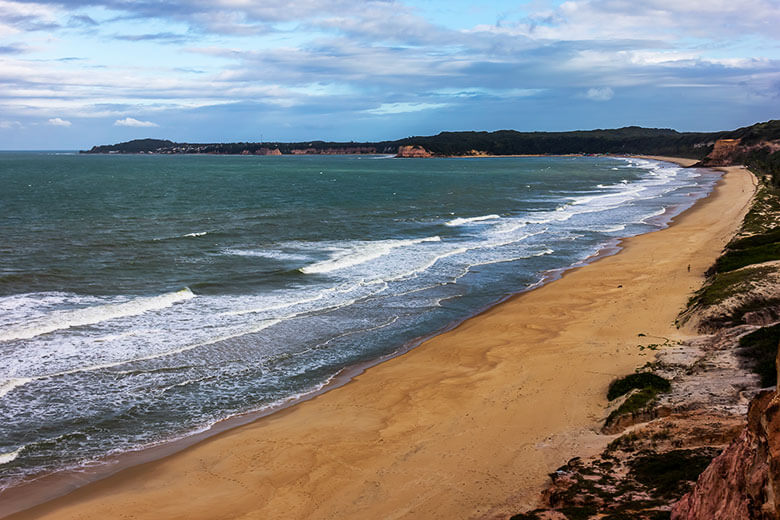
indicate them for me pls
(755, 144)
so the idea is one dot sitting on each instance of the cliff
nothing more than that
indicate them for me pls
(756, 146)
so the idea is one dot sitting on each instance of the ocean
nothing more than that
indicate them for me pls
(145, 298)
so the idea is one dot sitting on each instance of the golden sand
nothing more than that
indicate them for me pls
(466, 425)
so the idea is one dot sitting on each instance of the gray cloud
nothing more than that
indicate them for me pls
(163, 37)
(12, 49)
(82, 20)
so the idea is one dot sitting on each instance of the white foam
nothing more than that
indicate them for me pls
(59, 320)
(470, 220)
(510, 227)
(157, 355)
(361, 253)
(197, 234)
(244, 252)
(620, 195)
(5, 458)
(12, 383)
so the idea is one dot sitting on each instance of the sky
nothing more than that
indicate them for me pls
(76, 73)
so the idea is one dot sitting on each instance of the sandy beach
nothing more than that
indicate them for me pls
(467, 425)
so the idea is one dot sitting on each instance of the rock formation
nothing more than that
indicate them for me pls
(413, 151)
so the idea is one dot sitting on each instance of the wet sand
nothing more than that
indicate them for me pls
(466, 425)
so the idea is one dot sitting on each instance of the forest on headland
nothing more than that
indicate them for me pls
(757, 146)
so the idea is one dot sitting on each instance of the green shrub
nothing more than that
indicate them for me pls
(759, 348)
(769, 237)
(736, 259)
(624, 385)
(724, 285)
(671, 474)
(634, 403)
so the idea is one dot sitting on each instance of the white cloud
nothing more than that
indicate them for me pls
(129, 121)
(9, 124)
(400, 108)
(600, 94)
(56, 121)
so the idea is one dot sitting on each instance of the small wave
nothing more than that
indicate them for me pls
(244, 252)
(59, 320)
(460, 251)
(5, 458)
(511, 228)
(469, 267)
(621, 196)
(470, 220)
(658, 213)
(611, 229)
(10, 384)
(272, 254)
(362, 253)
(322, 295)
(196, 234)
(186, 383)
(127, 334)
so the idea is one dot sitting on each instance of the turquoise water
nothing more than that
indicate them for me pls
(143, 298)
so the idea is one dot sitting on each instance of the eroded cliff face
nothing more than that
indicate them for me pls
(728, 152)
(743, 482)
(413, 151)
(723, 152)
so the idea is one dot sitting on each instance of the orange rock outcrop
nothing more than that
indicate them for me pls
(413, 152)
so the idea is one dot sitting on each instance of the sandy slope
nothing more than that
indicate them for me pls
(467, 424)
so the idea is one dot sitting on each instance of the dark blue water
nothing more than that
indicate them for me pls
(143, 298)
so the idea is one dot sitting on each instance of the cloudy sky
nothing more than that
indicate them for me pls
(75, 73)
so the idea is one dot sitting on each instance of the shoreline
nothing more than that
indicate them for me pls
(69, 503)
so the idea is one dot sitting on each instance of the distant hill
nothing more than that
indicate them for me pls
(135, 146)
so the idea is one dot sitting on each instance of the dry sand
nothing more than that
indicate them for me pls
(466, 425)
